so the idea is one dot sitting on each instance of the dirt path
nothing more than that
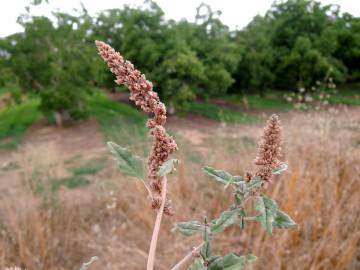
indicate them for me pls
(76, 139)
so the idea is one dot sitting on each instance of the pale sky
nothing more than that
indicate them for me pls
(235, 13)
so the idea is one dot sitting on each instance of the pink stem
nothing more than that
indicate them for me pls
(155, 235)
(187, 258)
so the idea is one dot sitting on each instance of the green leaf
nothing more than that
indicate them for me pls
(283, 221)
(189, 227)
(224, 177)
(219, 175)
(267, 209)
(231, 262)
(227, 218)
(238, 198)
(197, 265)
(167, 167)
(244, 187)
(255, 182)
(206, 250)
(86, 265)
(280, 169)
(213, 259)
(127, 162)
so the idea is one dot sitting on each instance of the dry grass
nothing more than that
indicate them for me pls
(111, 218)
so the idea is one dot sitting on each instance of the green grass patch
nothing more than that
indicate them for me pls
(11, 166)
(14, 122)
(347, 95)
(270, 102)
(222, 114)
(70, 182)
(119, 122)
(90, 168)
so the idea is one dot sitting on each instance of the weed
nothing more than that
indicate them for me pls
(159, 165)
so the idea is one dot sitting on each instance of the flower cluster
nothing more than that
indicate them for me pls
(269, 150)
(141, 92)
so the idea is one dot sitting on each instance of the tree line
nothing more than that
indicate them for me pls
(294, 45)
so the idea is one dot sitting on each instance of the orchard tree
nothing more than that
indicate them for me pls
(54, 61)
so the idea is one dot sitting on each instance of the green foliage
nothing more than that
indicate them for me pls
(222, 114)
(70, 182)
(227, 218)
(283, 221)
(220, 175)
(14, 122)
(189, 228)
(118, 121)
(168, 167)
(238, 181)
(87, 264)
(127, 162)
(295, 44)
(55, 61)
(231, 262)
(267, 209)
(269, 101)
(269, 216)
(197, 265)
(281, 168)
(90, 168)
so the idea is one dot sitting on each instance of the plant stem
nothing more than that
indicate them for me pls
(187, 257)
(156, 230)
(250, 218)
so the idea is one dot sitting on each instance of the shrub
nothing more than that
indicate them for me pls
(250, 187)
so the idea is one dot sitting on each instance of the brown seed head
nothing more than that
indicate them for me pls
(141, 92)
(269, 150)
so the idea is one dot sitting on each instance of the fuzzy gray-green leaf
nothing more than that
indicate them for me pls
(231, 262)
(219, 175)
(283, 221)
(189, 227)
(255, 182)
(227, 218)
(128, 163)
(87, 264)
(167, 167)
(267, 209)
(280, 169)
(197, 265)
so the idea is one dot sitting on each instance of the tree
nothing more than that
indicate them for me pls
(53, 61)
(254, 72)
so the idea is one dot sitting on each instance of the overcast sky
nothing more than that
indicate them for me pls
(235, 13)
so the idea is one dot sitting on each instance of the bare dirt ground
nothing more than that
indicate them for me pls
(111, 218)
(76, 139)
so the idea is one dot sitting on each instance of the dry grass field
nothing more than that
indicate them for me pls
(63, 200)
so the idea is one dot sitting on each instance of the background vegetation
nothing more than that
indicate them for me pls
(63, 200)
(295, 45)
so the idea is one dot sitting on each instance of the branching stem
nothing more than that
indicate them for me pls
(156, 230)
(187, 257)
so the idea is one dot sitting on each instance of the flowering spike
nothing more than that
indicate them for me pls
(141, 92)
(269, 150)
